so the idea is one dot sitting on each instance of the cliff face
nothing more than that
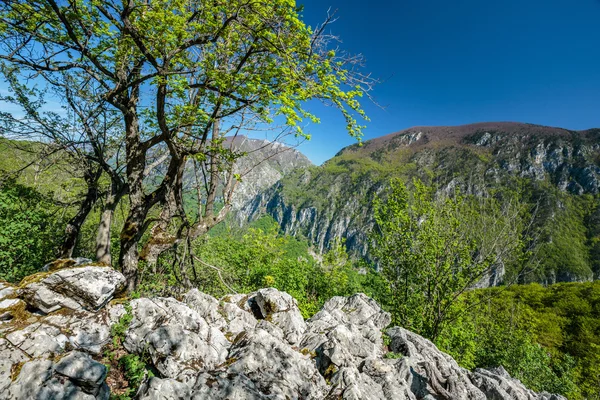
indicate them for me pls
(555, 166)
(59, 329)
(264, 164)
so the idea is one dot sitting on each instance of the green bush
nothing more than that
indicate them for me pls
(31, 231)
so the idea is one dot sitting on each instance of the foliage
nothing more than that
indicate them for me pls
(545, 336)
(118, 330)
(135, 369)
(430, 250)
(259, 256)
(179, 76)
(31, 225)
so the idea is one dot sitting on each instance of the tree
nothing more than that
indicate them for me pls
(432, 249)
(182, 74)
(82, 137)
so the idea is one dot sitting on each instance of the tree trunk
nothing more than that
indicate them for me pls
(74, 225)
(103, 236)
(133, 228)
(129, 257)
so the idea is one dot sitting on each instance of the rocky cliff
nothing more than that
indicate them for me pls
(59, 329)
(551, 166)
(264, 164)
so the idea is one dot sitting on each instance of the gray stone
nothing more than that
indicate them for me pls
(345, 332)
(57, 388)
(87, 331)
(436, 373)
(224, 386)
(237, 313)
(88, 288)
(164, 389)
(39, 340)
(177, 338)
(275, 370)
(207, 306)
(9, 356)
(282, 310)
(85, 372)
(6, 290)
(29, 383)
(7, 306)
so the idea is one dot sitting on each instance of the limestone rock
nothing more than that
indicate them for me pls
(179, 341)
(80, 368)
(164, 389)
(438, 373)
(87, 288)
(345, 332)
(6, 290)
(282, 310)
(242, 347)
(238, 314)
(205, 305)
(497, 384)
(9, 356)
(260, 366)
(40, 380)
(39, 340)
(8, 307)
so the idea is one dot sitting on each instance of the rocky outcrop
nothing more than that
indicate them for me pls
(85, 288)
(254, 346)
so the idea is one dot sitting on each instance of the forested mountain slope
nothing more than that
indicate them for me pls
(556, 171)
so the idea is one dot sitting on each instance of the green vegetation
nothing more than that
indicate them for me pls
(548, 337)
(431, 250)
(244, 260)
(31, 230)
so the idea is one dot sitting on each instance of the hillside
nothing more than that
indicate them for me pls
(555, 170)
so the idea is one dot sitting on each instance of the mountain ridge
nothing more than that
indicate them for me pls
(557, 167)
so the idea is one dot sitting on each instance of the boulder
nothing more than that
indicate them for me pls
(261, 366)
(163, 389)
(497, 384)
(82, 370)
(434, 373)
(345, 332)
(10, 357)
(40, 380)
(39, 340)
(83, 288)
(6, 290)
(179, 341)
(237, 318)
(281, 310)
(241, 347)
(8, 308)
(206, 306)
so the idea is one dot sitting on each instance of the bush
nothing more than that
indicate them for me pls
(31, 231)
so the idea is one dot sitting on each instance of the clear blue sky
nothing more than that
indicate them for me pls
(456, 62)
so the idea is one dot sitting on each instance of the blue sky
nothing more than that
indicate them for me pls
(457, 62)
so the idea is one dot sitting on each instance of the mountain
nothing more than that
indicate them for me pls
(556, 169)
(264, 164)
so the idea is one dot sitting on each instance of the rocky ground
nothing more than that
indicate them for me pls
(60, 327)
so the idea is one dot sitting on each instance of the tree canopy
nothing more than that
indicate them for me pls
(181, 75)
